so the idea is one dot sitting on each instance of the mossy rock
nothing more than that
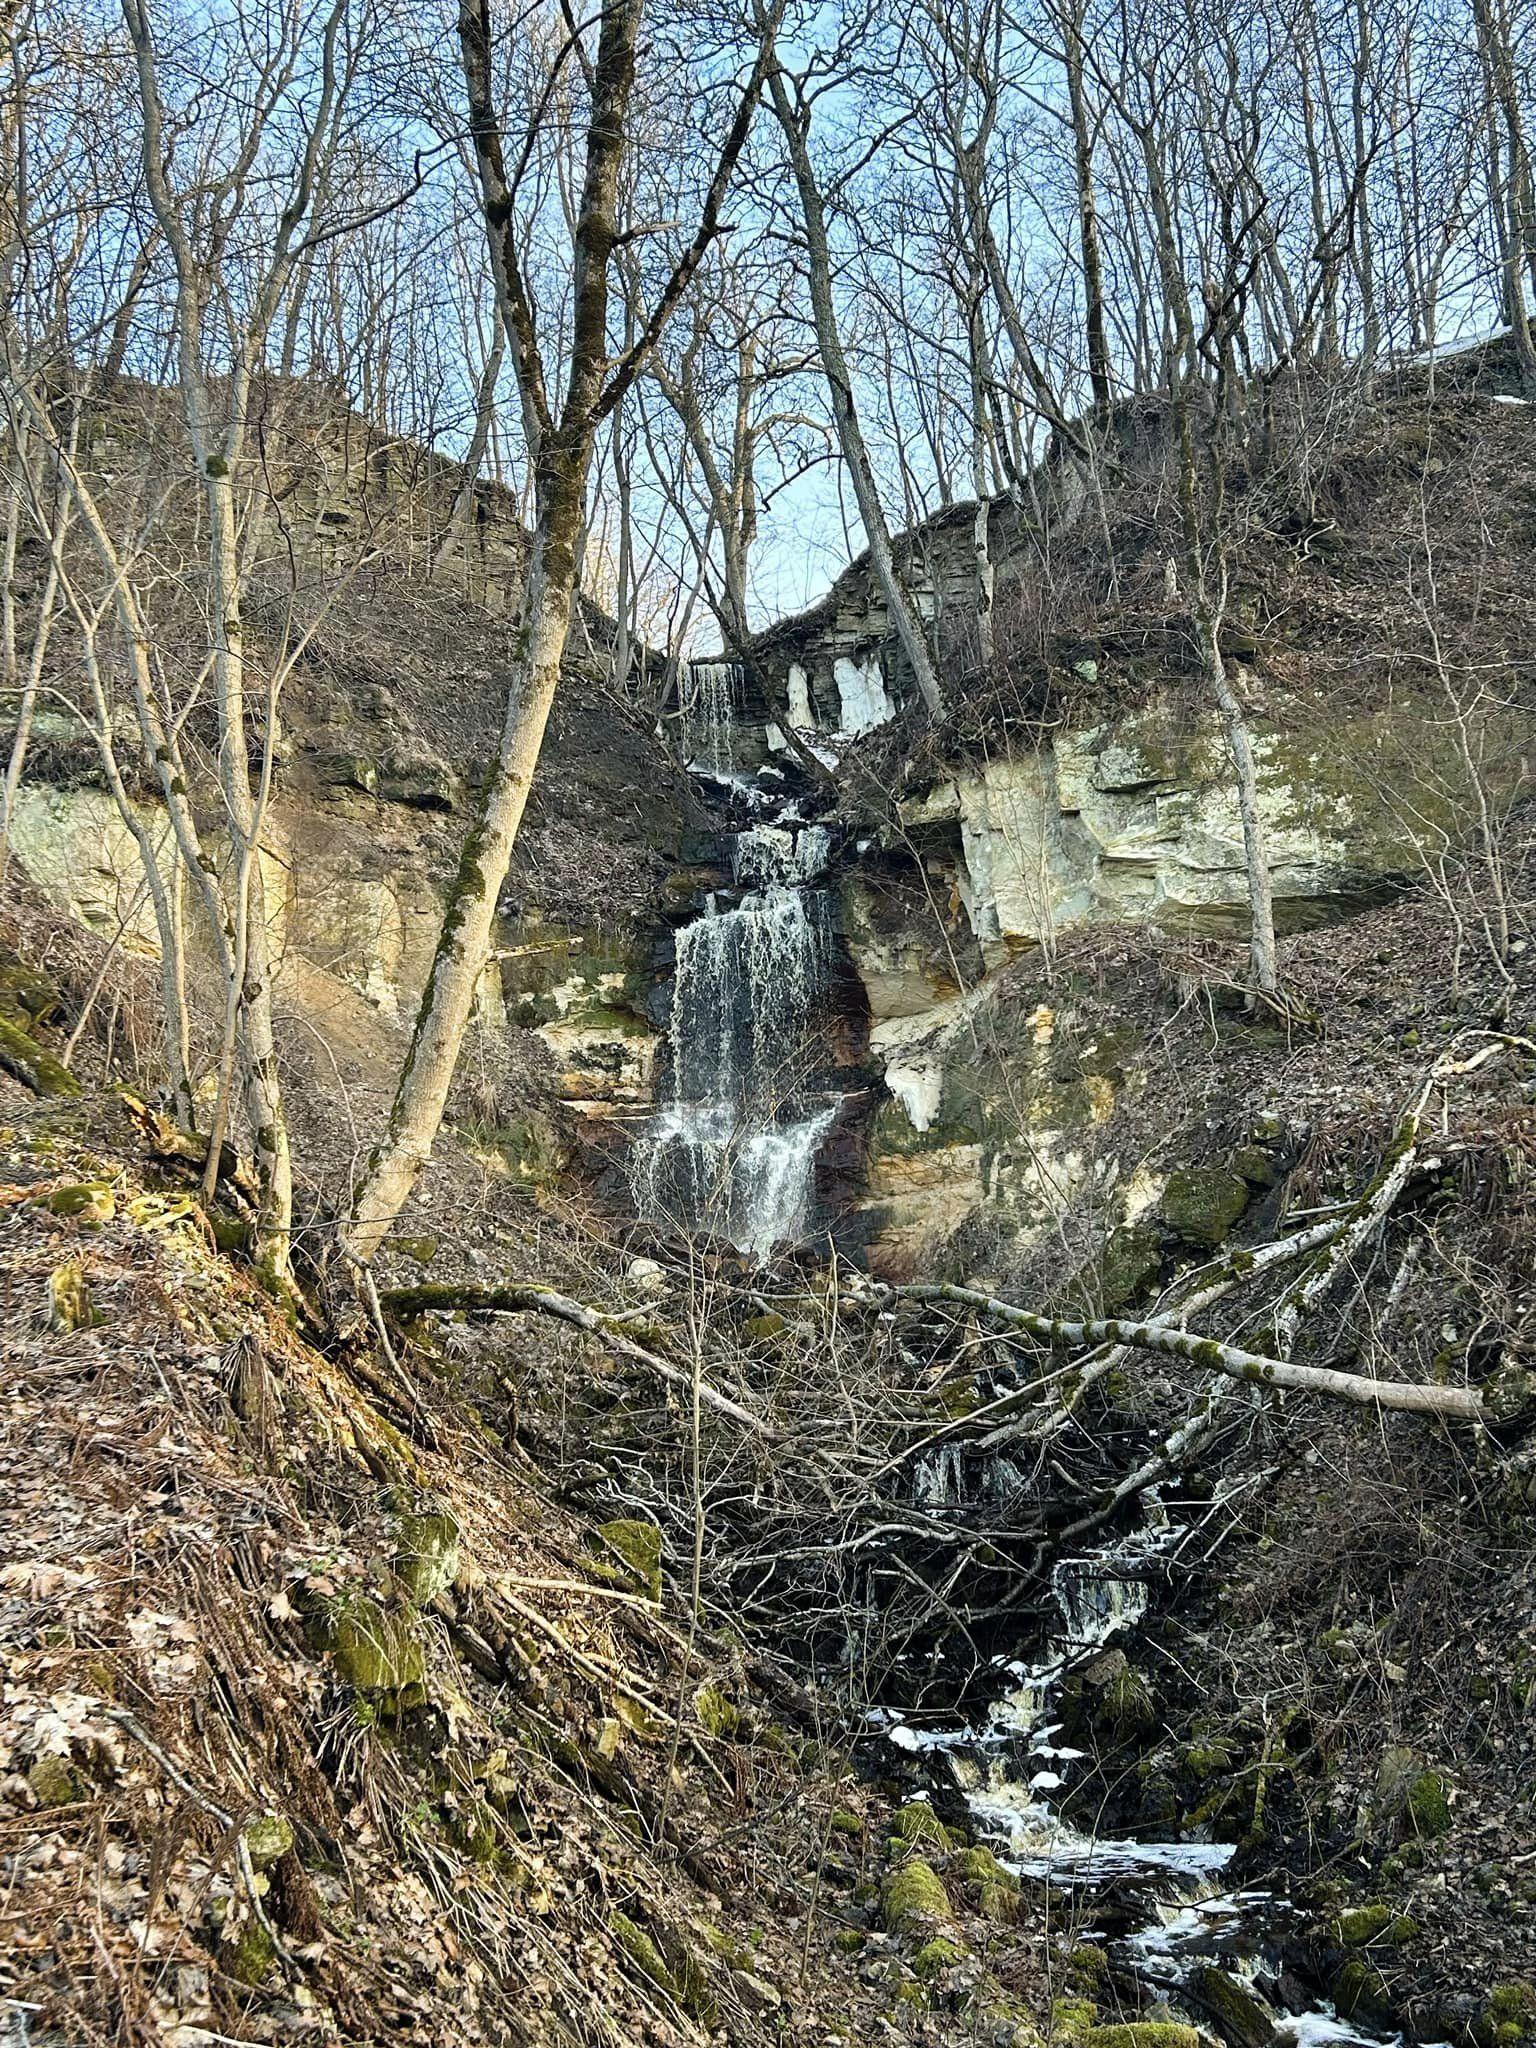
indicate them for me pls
(916, 1822)
(231, 1233)
(637, 1545)
(426, 1559)
(1508, 2020)
(1427, 1808)
(913, 1900)
(1072, 2018)
(1125, 1706)
(718, 1713)
(1509, 1395)
(1208, 1757)
(267, 1839)
(642, 1951)
(1254, 1165)
(422, 1249)
(1203, 1204)
(1241, 2017)
(845, 1823)
(639, 1720)
(474, 1829)
(1363, 1925)
(1132, 1257)
(942, 1953)
(378, 1651)
(736, 1955)
(249, 1958)
(52, 1782)
(996, 1888)
(1142, 2034)
(1359, 1988)
(27, 996)
(674, 1969)
(83, 1201)
(70, 1306)
(764, 1328)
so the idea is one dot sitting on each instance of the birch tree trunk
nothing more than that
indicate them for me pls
(560, 469)
(563, 447)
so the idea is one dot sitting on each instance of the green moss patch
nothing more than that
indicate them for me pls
(938, 1955)
(1203, 1204)
(378, 1651)
(918, 1823)
(913, 1900)
(426, 1560)
(1428, 1808)
(1242, 2019)
(32, 1064)
(637, 1546)
(1362, 1925)
(1142, 2034)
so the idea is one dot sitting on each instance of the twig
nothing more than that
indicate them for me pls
(133, 1727)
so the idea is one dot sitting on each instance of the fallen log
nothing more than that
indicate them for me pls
(1461, 1404)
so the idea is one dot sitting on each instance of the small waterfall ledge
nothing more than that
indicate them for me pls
(732, 1152)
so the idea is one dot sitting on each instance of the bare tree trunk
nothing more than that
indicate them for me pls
(850, 434)
(474, 459)
(1099, 375)
(464, 948)
(1253, 1368)
(251, 978)
(560, 470)
(1262, 951)
(42, 632)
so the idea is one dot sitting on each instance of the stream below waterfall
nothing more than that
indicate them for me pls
(1012, 1774)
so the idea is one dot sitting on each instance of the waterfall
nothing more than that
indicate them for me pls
(733, 1153)
(709, 703)
(786, 855)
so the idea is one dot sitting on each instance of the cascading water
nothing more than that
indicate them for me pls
(733, 1153)
(709, 705)
(1008, 1768)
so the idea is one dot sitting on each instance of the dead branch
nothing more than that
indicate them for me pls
(440, 1298)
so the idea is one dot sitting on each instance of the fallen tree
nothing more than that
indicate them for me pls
(1462, 1404)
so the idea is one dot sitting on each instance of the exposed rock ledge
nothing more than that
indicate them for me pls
(1138, 822)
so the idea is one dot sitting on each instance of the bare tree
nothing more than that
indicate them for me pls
(561, 439)
(794, 100)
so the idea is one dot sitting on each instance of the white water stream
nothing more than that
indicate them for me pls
(1009, 1767)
